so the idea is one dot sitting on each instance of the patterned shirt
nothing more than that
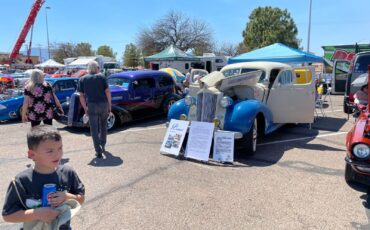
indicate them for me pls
(41, 103)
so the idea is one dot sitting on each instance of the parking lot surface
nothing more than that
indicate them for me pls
(294, 181)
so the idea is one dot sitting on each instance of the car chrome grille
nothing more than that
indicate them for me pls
(206, 106)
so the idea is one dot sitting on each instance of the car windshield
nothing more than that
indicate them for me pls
(123, 82)
(234, 72)
(361, 64)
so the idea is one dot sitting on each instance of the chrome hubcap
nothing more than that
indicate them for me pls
(110, 121)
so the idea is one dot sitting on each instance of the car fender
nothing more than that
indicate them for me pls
(240, 116)
(123, 114)
(178, 108)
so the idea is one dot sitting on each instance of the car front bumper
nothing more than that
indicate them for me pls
(359, 166)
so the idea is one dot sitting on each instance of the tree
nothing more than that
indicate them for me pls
(106, 51)
(131, 56)
(64, 50)
(176, 29)
(227, 49)
(84, 49)
(269, 25)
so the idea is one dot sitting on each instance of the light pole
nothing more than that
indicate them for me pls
(309, 28)
(47, 29)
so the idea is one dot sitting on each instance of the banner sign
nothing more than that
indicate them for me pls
(174, 137)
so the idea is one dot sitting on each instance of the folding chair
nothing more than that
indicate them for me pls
(328, 92)
(319, 103)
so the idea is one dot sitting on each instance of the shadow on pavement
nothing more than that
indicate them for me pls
(108, 160)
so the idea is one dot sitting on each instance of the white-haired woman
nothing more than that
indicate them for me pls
(39, 100)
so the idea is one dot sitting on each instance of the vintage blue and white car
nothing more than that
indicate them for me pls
(250, 99)
(11, 102)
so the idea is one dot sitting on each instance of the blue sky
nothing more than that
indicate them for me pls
(118, 22)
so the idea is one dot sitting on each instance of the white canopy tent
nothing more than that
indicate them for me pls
(50, 64)
(81, 62)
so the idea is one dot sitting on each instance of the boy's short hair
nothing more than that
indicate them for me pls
(40, 134)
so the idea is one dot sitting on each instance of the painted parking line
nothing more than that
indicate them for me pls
(302, 138)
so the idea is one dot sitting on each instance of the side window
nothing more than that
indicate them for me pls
(164, 81)
(68, 86)
(144, 83)
(286, 78)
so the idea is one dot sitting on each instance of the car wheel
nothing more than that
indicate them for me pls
(112, 120)
(20, 113)
(168, 105)
(249, 141)
(348, 174)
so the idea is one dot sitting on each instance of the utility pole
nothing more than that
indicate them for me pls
(309, 28)
(47, 29)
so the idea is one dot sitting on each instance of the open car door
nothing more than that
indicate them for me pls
(290, 102)
(340, 75)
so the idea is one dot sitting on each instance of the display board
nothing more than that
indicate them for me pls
(199, 140)
(223, 146)
(174, 137)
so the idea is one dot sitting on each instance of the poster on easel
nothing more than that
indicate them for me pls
(199, 140)
(223, 146)
(174, 137)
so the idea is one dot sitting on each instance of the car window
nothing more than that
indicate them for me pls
(286, 77)
(165, 81)
(123, 82)
(231, 72)
(361, 64)
(263, 76)
(69, 85)
(144, 83)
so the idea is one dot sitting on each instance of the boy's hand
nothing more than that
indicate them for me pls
(46, 214)
(57, 198)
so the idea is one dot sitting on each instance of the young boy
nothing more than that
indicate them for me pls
(46, 150)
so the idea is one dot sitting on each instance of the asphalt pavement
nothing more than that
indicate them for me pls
(294, 181)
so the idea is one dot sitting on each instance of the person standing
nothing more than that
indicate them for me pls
(39, 99)
(95, 99)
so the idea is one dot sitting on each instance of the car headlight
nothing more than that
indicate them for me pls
(183, 117)
(189, 100)
(2, 107)
(361, 151)
(226, 101)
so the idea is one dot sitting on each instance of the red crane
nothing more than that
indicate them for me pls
(26, 28)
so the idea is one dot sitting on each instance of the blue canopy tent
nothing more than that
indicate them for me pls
(277, 53)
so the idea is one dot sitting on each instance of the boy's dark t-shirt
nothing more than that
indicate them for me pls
(30, 184)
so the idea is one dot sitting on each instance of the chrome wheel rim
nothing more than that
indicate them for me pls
(111, 120)
(255, 133)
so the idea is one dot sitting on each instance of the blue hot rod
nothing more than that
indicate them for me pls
(135, 94)
(11, 102)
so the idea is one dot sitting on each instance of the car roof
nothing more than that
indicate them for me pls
(265, 65)
(60, 79)
(140, 74)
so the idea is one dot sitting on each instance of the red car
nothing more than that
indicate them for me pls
(6, 83)
(358, 148)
